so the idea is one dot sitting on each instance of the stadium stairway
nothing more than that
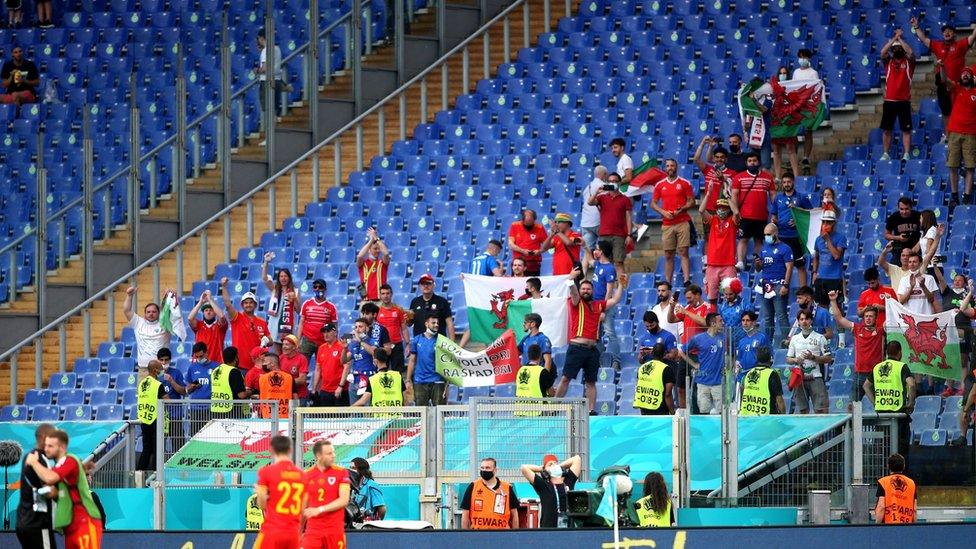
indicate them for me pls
(72, 341)
(114, 256)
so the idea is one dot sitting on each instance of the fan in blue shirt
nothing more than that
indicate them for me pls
(486, 263)
(752, 339)
(709, 348)
(654, 335)
(785, 200)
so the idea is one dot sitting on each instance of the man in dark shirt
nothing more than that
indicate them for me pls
(552, 482)
(903, 228)
(34, 523)
(20, 79)
(429, 304)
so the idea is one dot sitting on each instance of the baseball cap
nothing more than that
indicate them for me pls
(319, 282)
(328, 327)
(249, 295)
(426, 277)
(563, 218)
(828, 215)
(258, 352)
(547, 458)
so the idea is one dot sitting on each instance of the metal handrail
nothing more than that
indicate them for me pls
(155, 151)
(202, 227)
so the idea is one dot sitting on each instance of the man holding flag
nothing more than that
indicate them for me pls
(153, 332)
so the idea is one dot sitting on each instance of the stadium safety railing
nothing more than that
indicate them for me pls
(329, 150)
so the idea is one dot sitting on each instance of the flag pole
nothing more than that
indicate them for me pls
(616, 521)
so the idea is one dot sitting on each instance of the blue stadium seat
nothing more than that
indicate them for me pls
(59, 382)
(37, 397)
(103, 396)
(81, 412)
(110, 412)
(12, 412)
(934, 437)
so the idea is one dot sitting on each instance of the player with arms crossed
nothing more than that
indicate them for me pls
(328, 491)
(281, 494)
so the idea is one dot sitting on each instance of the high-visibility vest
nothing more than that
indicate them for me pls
(490, 508)
(649, 518)
(889, 389)
(253, 515)
(275, 385)
(220, 392)
(649, 392)
(899, 499)
(147, 398)
(64, 510)
(386, 388)
(756, 400)
(527, 382)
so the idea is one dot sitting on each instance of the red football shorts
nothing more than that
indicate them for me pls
(335, 539)
(83, 532)
(276, 540)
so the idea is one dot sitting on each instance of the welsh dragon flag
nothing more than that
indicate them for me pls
(808, 225)
(929, 343)
(494, 307)
(798, 105)
(171, 318)
(643, 178)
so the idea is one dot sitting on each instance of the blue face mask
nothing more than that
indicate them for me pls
(769, 239)
(803, 62)
(319, 294)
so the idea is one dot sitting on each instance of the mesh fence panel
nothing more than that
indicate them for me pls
(512, 432)
(393, 440)
(115, 459)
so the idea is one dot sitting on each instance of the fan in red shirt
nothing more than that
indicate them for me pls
(295, 364)
(281, 495)
(874, 295)
(373, 262)
(752, 192)
(692, 315)
(566, 242)
(394, 318)
(212, 329)
(246, 329)
(525, 239)
(951, 52)
(328, 491)
(961, 133)
(720, 246)
(869, 341)
(316, 312)
(676, 197)
(329, 380)
(899, 64)
(717, 175)
(252, 376)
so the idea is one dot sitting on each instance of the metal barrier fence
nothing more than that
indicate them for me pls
(115, 458)
(526, 430)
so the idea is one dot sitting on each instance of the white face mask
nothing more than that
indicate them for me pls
(555, 470)
(429, 332)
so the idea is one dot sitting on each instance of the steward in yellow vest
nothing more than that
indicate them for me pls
(147, 397)
(655, 381)
(533, 381)
(227, 384)
(385, 388)
(891, 386)
(654, 509)
(762, 390)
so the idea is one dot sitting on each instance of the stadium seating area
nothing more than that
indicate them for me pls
(660, 74)
(89, 59)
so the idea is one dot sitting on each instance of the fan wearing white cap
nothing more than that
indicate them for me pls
(246, 329)
(828, 259)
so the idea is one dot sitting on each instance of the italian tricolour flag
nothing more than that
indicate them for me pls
(808, 225)
(643, 178)
(494, 306)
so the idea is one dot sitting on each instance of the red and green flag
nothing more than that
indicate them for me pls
(643, 178)
(798, 106)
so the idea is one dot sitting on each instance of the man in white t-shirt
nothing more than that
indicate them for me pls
(150, 335)
(262, 71)
(661, 310)
(590, 215)
(625, 166)
(917, 290)
(810, 351)
(805, 71)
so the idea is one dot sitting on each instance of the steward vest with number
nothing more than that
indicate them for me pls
(386, 388)
(275, 385)
(649, 392)
(220, 392)
(756, 400)
(490, 508)
(899, 499)
(649, 518)
(527, 381)
(253, 515)
(889, 387)
(148, 400)
(64, 510)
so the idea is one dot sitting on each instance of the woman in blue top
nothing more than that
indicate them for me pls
(369, 497)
